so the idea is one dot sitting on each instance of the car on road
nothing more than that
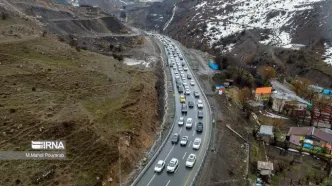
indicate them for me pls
(187, 91)
(191, 104)
(199, 127)
(180, 90)
(174, 67)
(183, 78)
(176, 72)
(182, 98)
(184, 83)
(173, 165)
(197, 143)
(184, 108)
(188, 76)
(189, 122)
(159, 166)
(185, 68)
(175, 138)
(200, 114)
(177, 76)
(196, 94)
(184, 140)
(192, 82)
(181, 121)
(191, 160)
(199, 104)
(186, 87)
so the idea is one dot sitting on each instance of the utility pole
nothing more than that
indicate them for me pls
(119, 148)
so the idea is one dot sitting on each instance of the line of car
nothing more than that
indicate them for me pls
(177, 64)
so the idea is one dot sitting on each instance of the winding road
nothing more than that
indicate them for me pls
(183, 176)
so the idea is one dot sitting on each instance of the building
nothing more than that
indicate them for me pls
(263, 93)
(311, 139)
(265, 133)
(283, 96)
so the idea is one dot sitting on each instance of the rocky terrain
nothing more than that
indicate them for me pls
(266, 32)
(54, 85)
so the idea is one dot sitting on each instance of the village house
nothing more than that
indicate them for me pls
(263, 93)
(283, 95)
(312, 139)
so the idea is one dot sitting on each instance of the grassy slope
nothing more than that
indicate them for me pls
(50, 91)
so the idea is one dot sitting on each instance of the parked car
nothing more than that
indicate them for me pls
(159, 166)
(199, 127)
(175, 138)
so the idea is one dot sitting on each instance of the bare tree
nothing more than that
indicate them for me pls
(266, 72)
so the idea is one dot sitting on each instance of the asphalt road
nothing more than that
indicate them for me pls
(183, 176)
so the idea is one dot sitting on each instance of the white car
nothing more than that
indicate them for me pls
(177, 76)
(189, 123)
(181, 121)
(185, 68)
(199, 104)
(197, 143)
(173, 165)
(184, 140)
(192, 82)
(176, 72)
(191, 160)
(183, 78)
(181, 72)
(184, 84)
(187, 91)
(186, 87)
(160, 166)
(174, 67)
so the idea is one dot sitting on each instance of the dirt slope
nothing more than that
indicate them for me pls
(49, 90)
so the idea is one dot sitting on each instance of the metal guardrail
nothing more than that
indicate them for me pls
(148, 165)
(210, 111)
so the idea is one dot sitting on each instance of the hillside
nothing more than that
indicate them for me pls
(51, 90)
(253, 29)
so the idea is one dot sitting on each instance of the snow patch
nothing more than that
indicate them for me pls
(250, 14)
(328, 54)
(133, 62)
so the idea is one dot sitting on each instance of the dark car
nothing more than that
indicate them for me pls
(191, 104)
(199, 127)
(188, 76)
(175, 138)
(196, 94)
(182, 64)
(180, 89)
(184, 109)
(200, 114)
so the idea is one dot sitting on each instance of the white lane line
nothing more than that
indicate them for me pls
(184, 155)
(151, 179)
(169, 152)
(189, 143)
(181, 129)
(168, 182)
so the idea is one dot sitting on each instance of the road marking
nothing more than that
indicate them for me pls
(169, 153)
(181, 129)
(189, 143)
(184, 155)
(168, 182)
(194, 129)
(151, 179)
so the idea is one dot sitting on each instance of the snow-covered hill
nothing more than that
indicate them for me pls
(275, 22)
